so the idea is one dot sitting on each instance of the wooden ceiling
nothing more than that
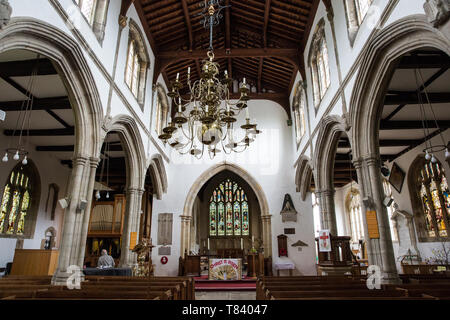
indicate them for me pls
(260, 40)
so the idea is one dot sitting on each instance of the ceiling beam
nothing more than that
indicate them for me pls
(424, 62)
(42, 132)
(227, 26)
(410, 125)
(412, 98)
(188, 23)
(266, 21)
(58, 103)
(23, 68)
(260, 69)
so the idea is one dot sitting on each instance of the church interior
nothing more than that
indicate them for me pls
(225, 149)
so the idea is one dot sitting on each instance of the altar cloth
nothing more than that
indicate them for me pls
(284, 263)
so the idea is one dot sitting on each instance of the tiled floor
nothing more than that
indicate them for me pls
(225, 295)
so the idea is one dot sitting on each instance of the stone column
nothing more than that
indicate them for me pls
(267, 234)
(185, 234)
(67, 245)
(132, 213)
(381, 250)
(327, 211)
(93, 163)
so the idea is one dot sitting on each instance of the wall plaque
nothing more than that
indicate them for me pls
(289, 230)
(164, 251)
(372, 224)
(165, 221)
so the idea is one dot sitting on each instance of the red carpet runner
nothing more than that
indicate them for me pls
(202, 283)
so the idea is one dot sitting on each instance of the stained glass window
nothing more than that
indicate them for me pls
(16, 201)
(229, 211)
(319, 65)
(432, 191)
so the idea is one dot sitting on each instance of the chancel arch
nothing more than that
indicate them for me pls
(245, 179)
(367, 103)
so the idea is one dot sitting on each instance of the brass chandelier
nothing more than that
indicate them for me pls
(205, 117)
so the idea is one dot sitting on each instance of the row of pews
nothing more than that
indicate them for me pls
(99, 288)
(351, 288)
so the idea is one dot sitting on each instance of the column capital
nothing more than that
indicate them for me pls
(267, 217)
(80, 160)
(185, 218)
(134, 190)
(326, 192)
(122, 21)
(94, 162)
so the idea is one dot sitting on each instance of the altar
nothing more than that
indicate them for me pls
(225, 269)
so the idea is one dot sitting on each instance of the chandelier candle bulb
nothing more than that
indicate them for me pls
(5, 157)
(178, 76)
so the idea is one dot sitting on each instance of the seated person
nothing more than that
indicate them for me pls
(105, 261)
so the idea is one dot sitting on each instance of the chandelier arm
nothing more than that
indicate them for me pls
(30, 107)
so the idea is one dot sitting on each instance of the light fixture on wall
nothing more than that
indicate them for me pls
(211, 116)
(22, 127)
(430, 149)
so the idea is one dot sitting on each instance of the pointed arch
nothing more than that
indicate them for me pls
(377, 67)
(331, 128)
(204, 178)
(303, 176)
(68, 58)
(157, 159)
(131, 139)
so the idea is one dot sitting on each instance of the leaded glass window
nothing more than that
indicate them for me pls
(320, 69)
(229, 211)
(431, 198)
(16, 201)
(299, 114)
(356, 218)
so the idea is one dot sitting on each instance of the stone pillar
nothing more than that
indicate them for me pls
(381, 250)
(267, 234)
(327, 211)
(93, 164)
(185, 234)
(131, 223)
(67, 245)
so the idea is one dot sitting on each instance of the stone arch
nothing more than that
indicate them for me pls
(377, 67)
(159, 175)
(204, 178)
(135, 161)
(162, 111)
(331, 128)
(40, 37)
(303, 176)
(366, 105)
(131, 139)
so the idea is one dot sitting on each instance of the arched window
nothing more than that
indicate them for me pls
(137, 64)
(391, 208)
(18, 207)
(430, 198)
(229, 211)
(318, 62)
(355, 215)
(162, 109)
(95, 12)
(299, 112)
(356, 11)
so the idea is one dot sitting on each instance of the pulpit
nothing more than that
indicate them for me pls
(339, 260)
(30, 262)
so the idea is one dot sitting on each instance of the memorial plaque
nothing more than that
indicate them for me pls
(289, 230)
(164, 251)
(165, 221)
